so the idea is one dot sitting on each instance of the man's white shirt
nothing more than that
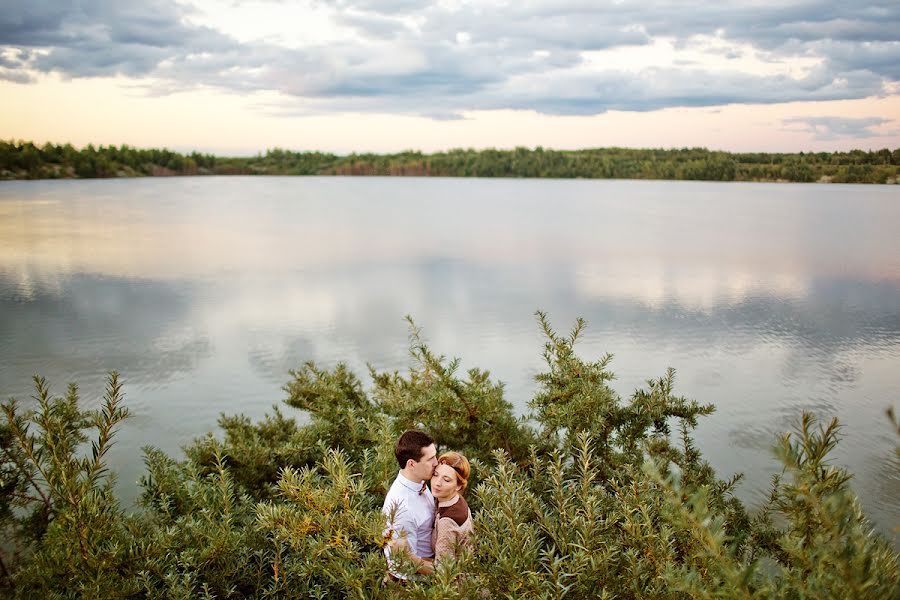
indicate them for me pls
(413, 517)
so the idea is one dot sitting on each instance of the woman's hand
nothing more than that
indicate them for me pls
(426, 565)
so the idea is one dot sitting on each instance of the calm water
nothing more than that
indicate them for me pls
(768, 299)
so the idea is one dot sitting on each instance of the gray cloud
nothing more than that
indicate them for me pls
(103, 37)
(15, 76)
(439, 58)
(834, 128)
(388, 7)
(877, 57)
(374, 25)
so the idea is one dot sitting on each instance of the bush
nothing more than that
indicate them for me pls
(598, 497)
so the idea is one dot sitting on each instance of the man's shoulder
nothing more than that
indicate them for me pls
(401, 496)
(396, 495)
(397, 487)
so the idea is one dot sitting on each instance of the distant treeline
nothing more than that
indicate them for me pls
(25, 160)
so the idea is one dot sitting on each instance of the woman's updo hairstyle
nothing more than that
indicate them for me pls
(460, 464)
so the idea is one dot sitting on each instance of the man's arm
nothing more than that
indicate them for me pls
(396, 532)
(424, 566)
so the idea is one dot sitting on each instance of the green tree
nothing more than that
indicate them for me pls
(596, 497)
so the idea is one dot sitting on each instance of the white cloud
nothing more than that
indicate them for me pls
(443, 58)
(834, 128)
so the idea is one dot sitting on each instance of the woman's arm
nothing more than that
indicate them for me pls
(447, 539)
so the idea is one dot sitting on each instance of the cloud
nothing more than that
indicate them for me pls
(103, 37)
(877, 57)
(445, 57)
(373, 25)
(15, 76)
(834, 128)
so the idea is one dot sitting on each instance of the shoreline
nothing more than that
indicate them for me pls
(25, 160)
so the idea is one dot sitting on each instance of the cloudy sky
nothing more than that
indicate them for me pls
(386, 75)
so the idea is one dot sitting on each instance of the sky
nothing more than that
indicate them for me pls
(237, 78)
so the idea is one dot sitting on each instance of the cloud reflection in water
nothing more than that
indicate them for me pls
(203, 293)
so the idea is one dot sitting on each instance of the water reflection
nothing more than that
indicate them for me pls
(80, 327)
(203, 293)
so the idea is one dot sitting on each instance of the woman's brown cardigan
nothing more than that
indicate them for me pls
(452, 526)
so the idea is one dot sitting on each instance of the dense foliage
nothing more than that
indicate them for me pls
(25, 160)
(593, 496)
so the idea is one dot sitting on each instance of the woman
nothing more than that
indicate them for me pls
(453, 520)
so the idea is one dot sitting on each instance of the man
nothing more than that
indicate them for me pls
(409, 505)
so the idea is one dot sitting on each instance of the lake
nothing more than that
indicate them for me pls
(768, 299)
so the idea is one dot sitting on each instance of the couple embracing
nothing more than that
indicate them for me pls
(425, 525)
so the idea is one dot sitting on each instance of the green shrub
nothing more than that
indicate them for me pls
(598, 496)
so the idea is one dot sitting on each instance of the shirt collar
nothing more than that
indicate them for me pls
(411, 485)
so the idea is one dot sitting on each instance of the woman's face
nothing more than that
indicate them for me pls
(444, 484)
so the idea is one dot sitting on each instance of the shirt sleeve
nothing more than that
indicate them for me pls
(399, 528)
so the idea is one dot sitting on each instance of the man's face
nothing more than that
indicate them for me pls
(424, 469)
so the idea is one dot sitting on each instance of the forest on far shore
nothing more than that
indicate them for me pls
(26, 160)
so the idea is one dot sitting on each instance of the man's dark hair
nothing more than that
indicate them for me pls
(409, 446)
